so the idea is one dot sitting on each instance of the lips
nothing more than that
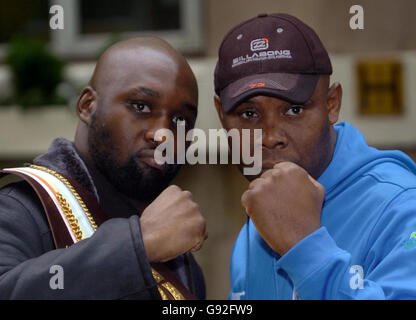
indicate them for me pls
(151, 162)
(148, 157)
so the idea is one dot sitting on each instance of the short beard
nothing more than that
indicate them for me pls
(143, 184)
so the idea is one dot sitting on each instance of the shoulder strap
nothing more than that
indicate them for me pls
(70, 220)
(62, 238)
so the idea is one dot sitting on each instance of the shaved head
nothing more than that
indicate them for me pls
(127, 55)
(138, 86)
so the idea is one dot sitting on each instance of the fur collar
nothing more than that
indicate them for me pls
(63, 157)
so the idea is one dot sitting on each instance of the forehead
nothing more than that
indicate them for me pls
(152, 69)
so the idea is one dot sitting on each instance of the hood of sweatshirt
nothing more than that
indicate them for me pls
(353, 157)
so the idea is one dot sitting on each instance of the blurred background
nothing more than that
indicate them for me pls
(43, 70)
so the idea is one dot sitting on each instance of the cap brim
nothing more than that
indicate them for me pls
(295, 88)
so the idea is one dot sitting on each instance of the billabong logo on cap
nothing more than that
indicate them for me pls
(259, 44)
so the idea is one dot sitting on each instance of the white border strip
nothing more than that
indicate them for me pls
(52, 196)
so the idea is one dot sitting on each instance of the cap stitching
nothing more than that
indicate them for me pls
(303, 36)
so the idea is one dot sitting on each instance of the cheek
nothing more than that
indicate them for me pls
(312, 146)
(120, 133)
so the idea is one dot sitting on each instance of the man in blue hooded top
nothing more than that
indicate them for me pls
(328, 217)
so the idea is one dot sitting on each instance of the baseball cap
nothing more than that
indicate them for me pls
(273, 55)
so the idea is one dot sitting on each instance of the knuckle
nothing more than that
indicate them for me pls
(302, 171)
(276, 173)
(265, 183)
(197, 239)
(295, 170)
(321, 189)
(174, 188)
(194, 206)
(202, 222)
(291, 167)
(187, 194)
(285, 164)
(198, 220)
(259, 183)
(254, 183)
(197, 246)
(282, 164)
(244, 198)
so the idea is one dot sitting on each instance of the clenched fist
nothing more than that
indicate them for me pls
(285, 205)
(172, 225)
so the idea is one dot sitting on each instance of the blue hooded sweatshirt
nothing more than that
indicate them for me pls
(366, 246)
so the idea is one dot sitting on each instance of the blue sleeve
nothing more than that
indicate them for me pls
(319, 269)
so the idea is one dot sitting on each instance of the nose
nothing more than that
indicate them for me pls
(274, 137)
(159, 123)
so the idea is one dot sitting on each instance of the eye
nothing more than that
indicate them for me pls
(179, 120)
(140, 107)
(294, 110)
(249, 114)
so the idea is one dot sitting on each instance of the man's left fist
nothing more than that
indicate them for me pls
(285, 205)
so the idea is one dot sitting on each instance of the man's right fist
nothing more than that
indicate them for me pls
(172, 225)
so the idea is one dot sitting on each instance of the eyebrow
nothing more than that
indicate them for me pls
(248, 102)
(145, 91)
(155, 94)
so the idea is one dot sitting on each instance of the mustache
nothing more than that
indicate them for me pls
(145, 152)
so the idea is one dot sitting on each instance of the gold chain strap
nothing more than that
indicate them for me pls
(158, 278)
(73, 191)
(167, 285)
(73, 222)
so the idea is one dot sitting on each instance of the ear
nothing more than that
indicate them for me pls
(86, 104)
(334, 98)
(220, 110)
